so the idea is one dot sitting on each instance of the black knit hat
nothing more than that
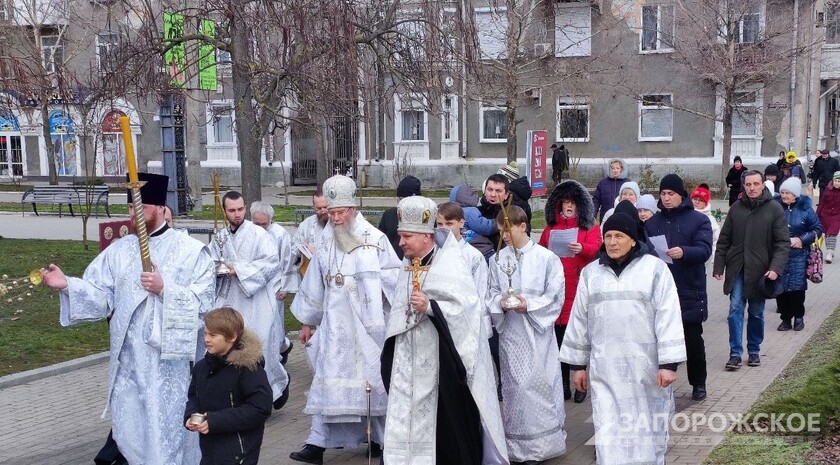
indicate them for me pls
(408, 186)
(772, 170)
(154, 191)
(624, 223)
(672, 182)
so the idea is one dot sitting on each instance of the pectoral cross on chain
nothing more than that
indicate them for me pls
(416, 269)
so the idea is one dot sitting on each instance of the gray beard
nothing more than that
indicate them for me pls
(346, 238)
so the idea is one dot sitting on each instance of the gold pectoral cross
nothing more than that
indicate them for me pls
(416, 268)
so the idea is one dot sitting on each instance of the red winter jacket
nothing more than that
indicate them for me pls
(591, 241)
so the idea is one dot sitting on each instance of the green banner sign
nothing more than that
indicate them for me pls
(207, 56)
(175, 57)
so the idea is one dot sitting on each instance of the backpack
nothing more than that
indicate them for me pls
(814, 270)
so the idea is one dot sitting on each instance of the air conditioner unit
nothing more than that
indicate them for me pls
(534, 95)
(542, 49)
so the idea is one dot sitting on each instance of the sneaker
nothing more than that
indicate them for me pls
(309, 454)
(754, 360)
(733, 364)
(784, 326)
(829, 257)
(798, 324)
(698, 392)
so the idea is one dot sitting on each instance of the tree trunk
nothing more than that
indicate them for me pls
(45, 129)
(247, 131)
(727, 140)
(510, 114)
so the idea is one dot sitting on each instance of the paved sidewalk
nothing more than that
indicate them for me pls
(52, 416)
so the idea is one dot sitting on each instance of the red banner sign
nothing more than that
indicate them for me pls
(537, 168)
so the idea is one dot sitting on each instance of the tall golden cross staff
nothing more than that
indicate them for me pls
(134, 184)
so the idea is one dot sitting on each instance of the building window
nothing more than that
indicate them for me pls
(491, 27)
(106, 48)
(572, 120)
(572, 29)
(746, 18)
(411, 119)
(493, 121)
(749, 28)
(657, 28)
(223, 132)
(832, 23)
(449, 118)
(656, 118)
(745, 116)
(411, 39)
(52, 52)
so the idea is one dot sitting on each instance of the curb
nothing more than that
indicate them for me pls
(24, 377)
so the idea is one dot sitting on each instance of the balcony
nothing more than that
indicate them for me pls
(830, 63)
(40, 13)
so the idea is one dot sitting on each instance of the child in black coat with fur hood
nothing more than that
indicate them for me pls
(229, 399)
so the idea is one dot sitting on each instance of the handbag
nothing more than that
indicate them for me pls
(814, 269)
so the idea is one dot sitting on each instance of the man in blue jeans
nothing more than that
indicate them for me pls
(756, 217)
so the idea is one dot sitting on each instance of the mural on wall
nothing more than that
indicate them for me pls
(11, 149)
(63, 135)
(628, 11)
(113, 158)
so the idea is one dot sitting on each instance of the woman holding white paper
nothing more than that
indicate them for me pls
(570, 207)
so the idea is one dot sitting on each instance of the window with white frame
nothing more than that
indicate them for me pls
(572, 29)
(749, 28)
(657, 28)
(745, 17)
(411, 39)
(493, 121)
(222, 120)
(411, 121)
(52, 52)
(491, 26)
(745, 116)
(448, 28)
(832, 23)
(656, 118)
(106, 48)
(449, 118)
(572, 119)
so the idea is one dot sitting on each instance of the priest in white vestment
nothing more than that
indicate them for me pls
(626, 327)
(153, 328)
(309, 232)
(287, 279)
(250, 255)
(442, 405)
(529, 360)
(345, 293)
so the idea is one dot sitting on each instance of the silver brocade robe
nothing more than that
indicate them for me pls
(477, 266)
(410, 428)
(153, 340)
(253, 254)
(287, 279)
(623, 328)
(345, 350)
(529, 360)
(309, 232)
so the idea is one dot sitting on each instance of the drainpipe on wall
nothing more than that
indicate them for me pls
(792, 125)
(463, 98)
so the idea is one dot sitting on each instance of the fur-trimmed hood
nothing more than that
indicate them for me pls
(574, 191)
(247, 353)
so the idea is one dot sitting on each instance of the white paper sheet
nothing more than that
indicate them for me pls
(559, 240)
(661, 246)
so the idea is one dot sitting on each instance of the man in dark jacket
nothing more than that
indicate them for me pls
(559, 162)
(388, 223)
(689, 237)
(823, 169)
(757, 217)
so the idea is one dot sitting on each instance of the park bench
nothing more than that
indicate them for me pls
(66, 195)
(303, 213)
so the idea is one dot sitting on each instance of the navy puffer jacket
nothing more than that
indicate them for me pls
(690, 230)
(803, 223)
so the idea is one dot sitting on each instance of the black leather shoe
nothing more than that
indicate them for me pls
(284, 396)
(733, 364)
(798, 324)
(309, 454)
(754, 360)
(784, 326)
(284, 356)
(579, 396)
(698, 392)
(374, 450)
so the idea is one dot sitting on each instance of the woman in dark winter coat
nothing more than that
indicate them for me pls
(610, 187)
(829, 213)
(804, 230)
(230, 388)
(733, 179)
(570, 206)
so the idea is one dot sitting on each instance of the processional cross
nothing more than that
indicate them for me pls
(415, 269)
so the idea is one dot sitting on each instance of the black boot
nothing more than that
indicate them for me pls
(309, 454)
(374, 450)
(284, 396)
